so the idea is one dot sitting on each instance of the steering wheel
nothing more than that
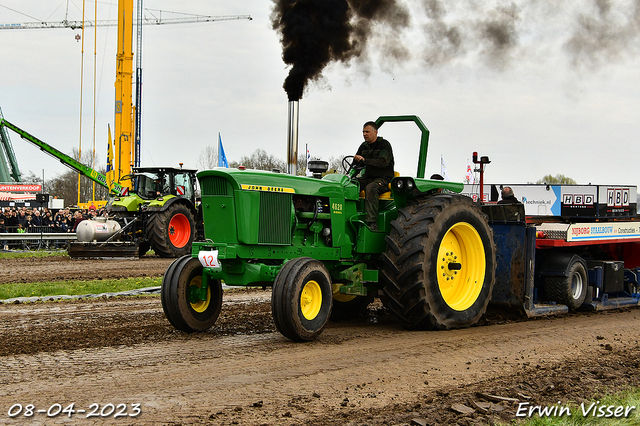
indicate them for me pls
(348, 164)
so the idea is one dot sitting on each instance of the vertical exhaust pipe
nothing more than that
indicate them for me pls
(292, 137)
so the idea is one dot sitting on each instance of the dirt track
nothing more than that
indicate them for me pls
(59, 268)
(123, 351)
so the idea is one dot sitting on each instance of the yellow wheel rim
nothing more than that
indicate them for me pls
(201, 305)
(461, 266)
(311, 300)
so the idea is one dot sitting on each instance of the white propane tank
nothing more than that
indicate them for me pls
(98, 229)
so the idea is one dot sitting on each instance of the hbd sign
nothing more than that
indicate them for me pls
(577, 199)
(617, 197)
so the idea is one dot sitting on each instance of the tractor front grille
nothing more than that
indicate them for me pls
(275, 218)
(214, 185)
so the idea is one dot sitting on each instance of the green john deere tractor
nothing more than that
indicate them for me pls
(432, 260)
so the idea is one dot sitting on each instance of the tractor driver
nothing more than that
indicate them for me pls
(376, 155)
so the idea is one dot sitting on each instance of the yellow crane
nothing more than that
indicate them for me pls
(123, 151)
(123, 155)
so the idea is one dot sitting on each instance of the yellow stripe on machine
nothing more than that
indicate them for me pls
(267, 188)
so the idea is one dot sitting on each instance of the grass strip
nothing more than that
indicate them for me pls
(75, 287)
(38, 253)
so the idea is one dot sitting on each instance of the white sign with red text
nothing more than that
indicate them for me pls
(209, 259)
(603, 231)
(21, 187)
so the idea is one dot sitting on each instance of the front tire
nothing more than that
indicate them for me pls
(184, 310)
(439, 266)
(301, 299)
(172, 231)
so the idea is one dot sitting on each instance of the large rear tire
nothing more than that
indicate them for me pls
(184, 310)
(301, 299)
(439, 266)
(172, 231)
(570, 290)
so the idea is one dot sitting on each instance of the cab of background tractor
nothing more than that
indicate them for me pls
(153, 182)
(152, 186)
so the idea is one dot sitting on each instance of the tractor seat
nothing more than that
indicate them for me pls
(385, 195)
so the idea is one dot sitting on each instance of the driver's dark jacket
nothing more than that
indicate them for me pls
(378, 158)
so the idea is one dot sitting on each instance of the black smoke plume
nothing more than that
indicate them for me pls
(493, 33)
(605, 35)
(315, 33)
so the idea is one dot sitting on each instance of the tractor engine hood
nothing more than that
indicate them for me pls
(220, 181)
(256, 207)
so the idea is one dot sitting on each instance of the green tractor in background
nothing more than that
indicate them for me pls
(431, 262)
(159, 212)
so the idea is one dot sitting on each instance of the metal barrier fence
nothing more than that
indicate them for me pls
(36, 238)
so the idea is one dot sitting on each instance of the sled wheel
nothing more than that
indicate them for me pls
(439, 266)
(301, 299)
(570, 290)
(172, 231)
(180, 302)
(346, 306)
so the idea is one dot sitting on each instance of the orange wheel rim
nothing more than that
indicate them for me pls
(179, 230)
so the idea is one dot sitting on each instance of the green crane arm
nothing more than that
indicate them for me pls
(68, 161)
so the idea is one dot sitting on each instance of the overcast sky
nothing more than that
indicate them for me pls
(540, 87)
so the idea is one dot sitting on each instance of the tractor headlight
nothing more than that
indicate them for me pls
(410, 184)
(399, 184)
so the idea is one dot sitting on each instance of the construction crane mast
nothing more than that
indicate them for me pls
(9, 171)
(126, 148)
(123, 154)
(123, 151)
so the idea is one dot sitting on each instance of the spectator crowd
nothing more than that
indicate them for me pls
(24, 219)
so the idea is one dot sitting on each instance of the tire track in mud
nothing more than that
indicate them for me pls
(375, 365)
(123, 349)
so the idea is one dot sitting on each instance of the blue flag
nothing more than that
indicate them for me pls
(222, 159)
(109, 152)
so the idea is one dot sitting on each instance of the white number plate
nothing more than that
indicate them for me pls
(209, 259)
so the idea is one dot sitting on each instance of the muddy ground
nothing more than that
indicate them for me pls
(60, 268)
(122, 351)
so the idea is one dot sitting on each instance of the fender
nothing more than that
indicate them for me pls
(557, 264)
(169, 201)
(406, 188)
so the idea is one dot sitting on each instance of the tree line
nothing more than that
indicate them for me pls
(65, 186)
(262, 160)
